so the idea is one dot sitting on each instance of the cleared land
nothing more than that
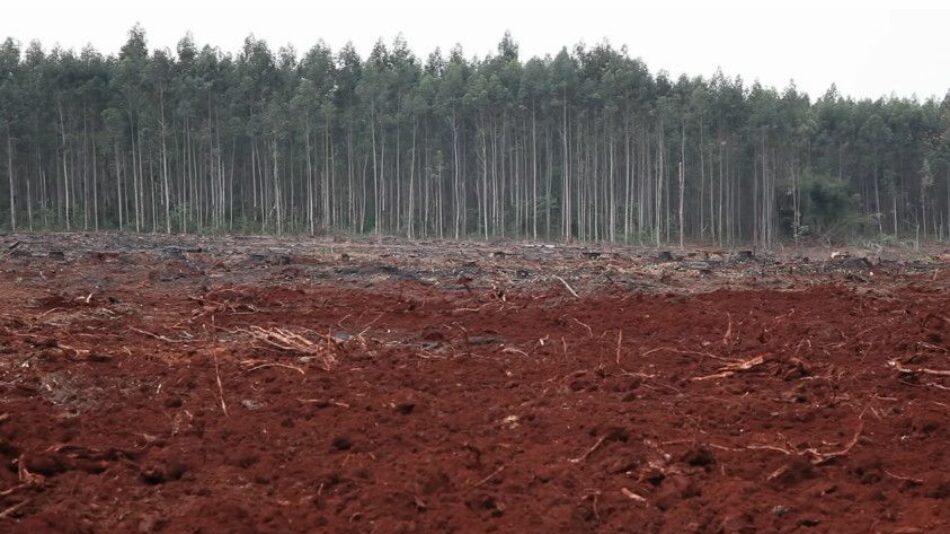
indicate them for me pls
(262, 385)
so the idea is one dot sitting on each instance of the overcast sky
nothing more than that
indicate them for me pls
(869, 49)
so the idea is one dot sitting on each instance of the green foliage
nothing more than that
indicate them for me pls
(829, 206)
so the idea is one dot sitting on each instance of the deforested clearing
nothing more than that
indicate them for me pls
(264, 384)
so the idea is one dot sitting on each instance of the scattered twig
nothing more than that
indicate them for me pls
(590, 451)
(24, 474)
(745, 365)
(568, 287)
(47, 312)
(822, 457)
(817, 457)
(322, 402)
(79, 352)
(704, 354)
(732, 368)
(217, 375)
(6, 513)
(906, 479)
(368, 325)
(728, 335)
(286, 340)
(921, 370)
(931, 346)
(585, 325)
(489, 477)
(619, 341)
(159, 337)
(774, 448)
(632, 496)
(14, 489)
(282, 365)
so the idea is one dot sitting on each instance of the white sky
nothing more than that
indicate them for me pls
(870, 49)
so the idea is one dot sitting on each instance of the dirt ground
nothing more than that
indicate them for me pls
(153, 384)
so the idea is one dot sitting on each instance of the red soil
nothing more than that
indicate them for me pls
(453, 407)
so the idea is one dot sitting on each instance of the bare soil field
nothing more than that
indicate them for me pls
(158, 384)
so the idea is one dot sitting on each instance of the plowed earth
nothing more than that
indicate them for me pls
(300, 386)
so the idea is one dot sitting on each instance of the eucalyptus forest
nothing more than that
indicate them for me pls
(588, 145)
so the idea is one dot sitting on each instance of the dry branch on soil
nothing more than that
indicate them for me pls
(731, 369)
(286, 340)
(817, 457)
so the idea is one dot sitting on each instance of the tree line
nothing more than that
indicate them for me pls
(585, 145)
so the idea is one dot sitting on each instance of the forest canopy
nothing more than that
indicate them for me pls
(587, 144)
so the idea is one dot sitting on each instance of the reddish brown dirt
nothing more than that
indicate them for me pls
(461, 405)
